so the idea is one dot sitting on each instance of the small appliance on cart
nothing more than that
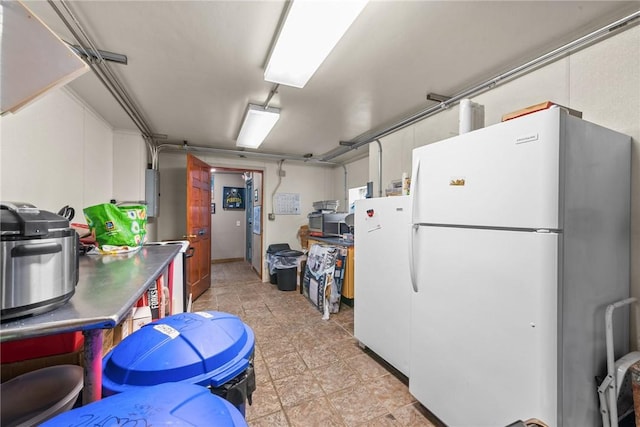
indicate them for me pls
(324, 221)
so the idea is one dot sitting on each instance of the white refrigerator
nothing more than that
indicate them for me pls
(519, 240)
(382, 285)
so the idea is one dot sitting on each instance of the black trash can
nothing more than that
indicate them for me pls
(286, 264)
(271, 251)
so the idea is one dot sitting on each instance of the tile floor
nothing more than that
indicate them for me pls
(309, 371)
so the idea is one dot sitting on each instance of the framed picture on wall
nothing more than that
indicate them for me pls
(233, 198)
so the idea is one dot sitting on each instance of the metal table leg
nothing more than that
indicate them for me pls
(92, 366)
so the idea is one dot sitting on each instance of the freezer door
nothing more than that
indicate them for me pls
(506, 175)
(382, 286)
(484, 335)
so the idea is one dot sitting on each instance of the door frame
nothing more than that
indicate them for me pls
(249, 198)
(248, 249)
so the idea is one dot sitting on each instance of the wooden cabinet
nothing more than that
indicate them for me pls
(347, 285)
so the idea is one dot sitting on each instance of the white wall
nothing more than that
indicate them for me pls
(172, 207)
(228, 226)
(56, 152)
(357, 176)
(602, 81)
(130, 154)
(130, 159)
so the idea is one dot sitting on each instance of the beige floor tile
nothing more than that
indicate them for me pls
(336, 376)
(253, 304)
(277, 419)
(235, 310)
(206, 297)
(314, 413)
(348, 326)
(226, 299)
(264, 328)
(387, 420)
(284, 365)
(318, 356)
(275, 345)
(345, 315)
(330, 331)
(220, 290)
(260, 315)
(297, 388)
(357, 405)
(366, 366)
(261, 370)
(347, 348)
(392, 392)
(413, 415)
(305, 340)
(265, 401)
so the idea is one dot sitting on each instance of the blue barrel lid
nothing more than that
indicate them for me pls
(170, 404)
(208, 348)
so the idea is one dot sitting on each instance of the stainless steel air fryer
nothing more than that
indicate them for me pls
(39, 270)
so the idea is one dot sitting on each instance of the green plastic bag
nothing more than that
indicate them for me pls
(117, 225)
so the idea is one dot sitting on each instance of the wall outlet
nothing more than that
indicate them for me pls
(271, 217)
(282, 172)
(237, 223)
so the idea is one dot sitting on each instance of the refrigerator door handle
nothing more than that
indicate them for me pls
(412, 272)
(413, 190)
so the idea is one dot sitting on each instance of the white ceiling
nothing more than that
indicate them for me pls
(193, 66)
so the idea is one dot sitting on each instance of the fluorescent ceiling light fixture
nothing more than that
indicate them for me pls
(311, 30)
(258, 122)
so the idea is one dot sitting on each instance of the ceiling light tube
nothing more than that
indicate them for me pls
(256, 125)
(309, 33)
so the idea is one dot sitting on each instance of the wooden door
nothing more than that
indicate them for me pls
(198, 225)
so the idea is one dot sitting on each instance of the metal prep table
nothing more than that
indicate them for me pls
(108, 286)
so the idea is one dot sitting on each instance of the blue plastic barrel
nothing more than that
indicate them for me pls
(172, 405)
(207, 348)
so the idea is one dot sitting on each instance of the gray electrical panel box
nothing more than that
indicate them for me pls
(152, 191)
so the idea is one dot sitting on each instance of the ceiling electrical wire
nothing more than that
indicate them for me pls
(273, 194)
(104, 73)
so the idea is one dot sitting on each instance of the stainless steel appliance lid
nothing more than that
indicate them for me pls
(26, 220)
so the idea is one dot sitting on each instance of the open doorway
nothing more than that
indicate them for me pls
(236, 216)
